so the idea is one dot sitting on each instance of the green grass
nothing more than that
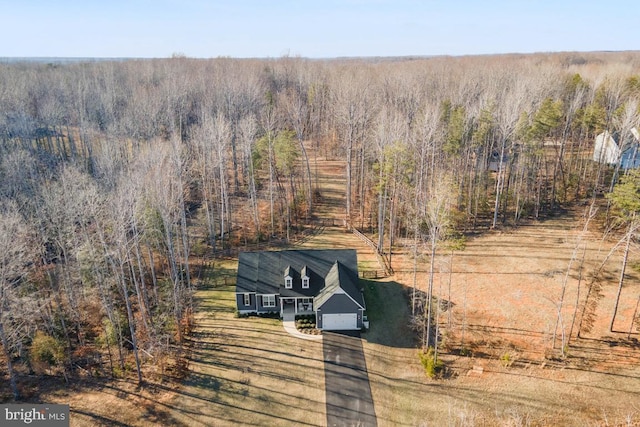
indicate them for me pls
(221, 272)
(388, 313)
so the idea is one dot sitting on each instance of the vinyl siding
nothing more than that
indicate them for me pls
(339, 303)
(262, 308)
(242, 308)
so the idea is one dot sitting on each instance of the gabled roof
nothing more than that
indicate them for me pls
(263, 272)
(611, 149)
(339, 279)
(289, 272)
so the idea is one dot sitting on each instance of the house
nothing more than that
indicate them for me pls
(608, 150)
(501, 158)
(319, 282)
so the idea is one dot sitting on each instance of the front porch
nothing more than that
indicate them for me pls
(293, 306)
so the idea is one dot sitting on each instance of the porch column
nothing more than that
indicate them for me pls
(295, 305)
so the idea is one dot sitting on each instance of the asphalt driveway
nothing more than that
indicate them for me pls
(348, 392)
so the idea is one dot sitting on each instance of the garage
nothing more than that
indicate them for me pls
(340, 321)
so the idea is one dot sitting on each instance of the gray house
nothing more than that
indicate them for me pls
(320, 282)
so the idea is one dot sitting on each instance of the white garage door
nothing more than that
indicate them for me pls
(340, 322)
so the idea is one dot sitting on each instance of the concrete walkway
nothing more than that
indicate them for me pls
(289, 323)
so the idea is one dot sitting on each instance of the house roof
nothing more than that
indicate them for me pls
(610, 148)
(263, 272)
(339, 278)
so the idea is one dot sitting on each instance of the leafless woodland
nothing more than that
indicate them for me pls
(120, 179)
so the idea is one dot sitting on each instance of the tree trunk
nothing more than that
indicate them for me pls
(415, 272)
(382, 208)
(499, 183)
(625, 258)
(430, 292)
(633, 317)
(577, 302)
(348, 186)
(308, 170)
(271, 182)
(131, 319)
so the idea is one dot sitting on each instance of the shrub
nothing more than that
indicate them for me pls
(268, 314)
(431, 365)
(46, 351)
(464, 351)
(311, 318)
(199, 248)
(111, 331)
(506, 359)
(306, 323)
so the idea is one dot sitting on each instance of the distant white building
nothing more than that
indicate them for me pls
(608, 150)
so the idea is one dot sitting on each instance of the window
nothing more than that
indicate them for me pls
(247, 299)
(305, 282)
(305, 304)
(269, 300)
(288, 282)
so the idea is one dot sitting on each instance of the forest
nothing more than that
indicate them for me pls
(119, 179)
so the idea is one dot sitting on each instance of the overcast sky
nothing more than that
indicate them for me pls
(313, 28)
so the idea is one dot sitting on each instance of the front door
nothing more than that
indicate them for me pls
(288, 306)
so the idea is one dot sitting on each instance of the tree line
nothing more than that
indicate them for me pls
(106, 166)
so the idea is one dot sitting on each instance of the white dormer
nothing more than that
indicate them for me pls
(305, 278)
(288, 279)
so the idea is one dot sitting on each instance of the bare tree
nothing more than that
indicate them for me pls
(510, 104)
(248, 128)
(625, 198)
(296, 108)
(590, 214)
(436, 224)
(426, 127)
(268, 121)
(14, 250)
(627, 120)
(221, 138)
(353, 110)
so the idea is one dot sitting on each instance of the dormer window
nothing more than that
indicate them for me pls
(305, 277)
(288, 278)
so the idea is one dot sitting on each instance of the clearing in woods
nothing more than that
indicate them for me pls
(504, 289)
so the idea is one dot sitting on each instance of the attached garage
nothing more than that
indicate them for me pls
(340, 321)
(340, 304)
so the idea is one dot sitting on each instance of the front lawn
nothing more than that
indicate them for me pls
(248, 371)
